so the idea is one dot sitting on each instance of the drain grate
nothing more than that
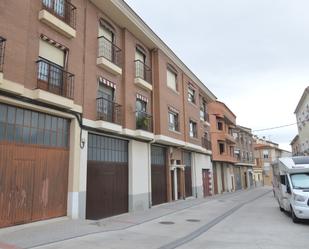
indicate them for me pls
(167, 222)
(193, 220)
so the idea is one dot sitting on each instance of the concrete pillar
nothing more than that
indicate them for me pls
(139, 165)
(76, 205)
(175, 184)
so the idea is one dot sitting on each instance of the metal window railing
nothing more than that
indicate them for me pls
(142, 71)
(2, 48)
(206, 143)
(109, 111)
(54, 79)
(109, 51)
(63, 9)
(143, 121)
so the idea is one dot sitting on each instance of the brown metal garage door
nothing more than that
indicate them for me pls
(158, 175)
(34, 159)
(107, 177)
(188, 173)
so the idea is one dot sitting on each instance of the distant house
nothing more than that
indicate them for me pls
(265, 153)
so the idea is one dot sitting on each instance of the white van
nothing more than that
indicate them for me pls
(291, 185)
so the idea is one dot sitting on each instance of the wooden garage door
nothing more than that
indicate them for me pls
(188, 173)
(107, 177)
(34, 159)
(158, 175)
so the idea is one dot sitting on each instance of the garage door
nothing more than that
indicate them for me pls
(107, 177)
(34, 159)
(188, 173)
(158, 175)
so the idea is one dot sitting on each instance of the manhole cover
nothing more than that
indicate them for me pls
(167, 222)
(193, 220)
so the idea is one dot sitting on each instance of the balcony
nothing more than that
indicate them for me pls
(143, 75)
(206, 143)
(109, 111)
(109, 56)
(59, 15)
(54, 79)
(143, 121)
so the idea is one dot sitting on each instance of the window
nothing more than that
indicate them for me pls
(173, 123)
(265, 154)
(231, 150)
(105, 102)
(30, 127)
(107, 149)
(220, 126)
(203, 110)
(56, 5)
(140, 59)
(221, 148)
(140, 105)
(51, 64)
(191, 95)
(106, 41)
(171, 79)
(143, 120)
(106, 92)
(192, 129)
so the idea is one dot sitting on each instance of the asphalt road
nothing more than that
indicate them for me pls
(250, 219)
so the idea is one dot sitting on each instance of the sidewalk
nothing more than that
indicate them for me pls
(60, 229)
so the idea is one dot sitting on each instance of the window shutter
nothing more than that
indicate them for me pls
(51, 53)
(171, 79)
(106, 33)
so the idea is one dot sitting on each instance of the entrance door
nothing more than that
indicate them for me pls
(107, 177)
(158, 175)
(237, 174)
(206, 182)
(34, 161)
(246, 180)
(215, 179)
(188, 173)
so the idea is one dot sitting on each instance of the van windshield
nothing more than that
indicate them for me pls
(300, 181)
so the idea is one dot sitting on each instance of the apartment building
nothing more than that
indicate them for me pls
(244, 153)
(266, 152)
(97, 115)
(222, 125)
(302, 118)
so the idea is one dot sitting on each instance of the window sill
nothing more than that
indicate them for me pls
(194, 138)
(173, 90)
(193, 104)
(177, 132)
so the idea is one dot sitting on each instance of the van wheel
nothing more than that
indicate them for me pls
(294, 217)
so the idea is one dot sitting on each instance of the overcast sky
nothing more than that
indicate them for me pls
(252, 54)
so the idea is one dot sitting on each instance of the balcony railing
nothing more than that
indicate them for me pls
(2, 48)
(54, 79)
(109, 51)
(142, 71)
(109, 111)
(206, 143)
(143, 121)
(62, 9)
